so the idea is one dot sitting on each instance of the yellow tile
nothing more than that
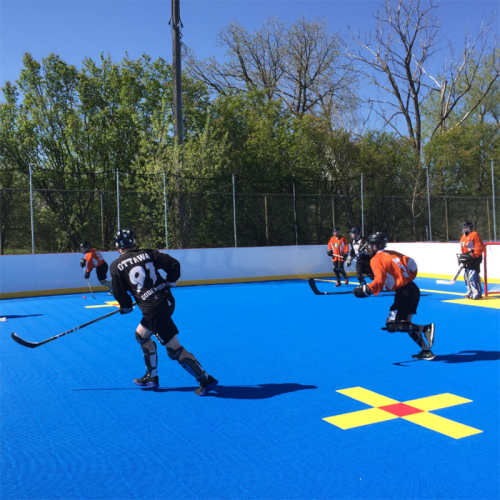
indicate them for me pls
(490, 302)
(441, 291)
(437, 402)
(367, 397)
(442, 425)
(359, 418)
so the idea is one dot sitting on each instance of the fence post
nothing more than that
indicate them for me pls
(118, 195)
(429, 204)
(102, 221)
(362, 208)
(446, 217)
(234, 213)
(333, 212)
(165, 201)
(493, 196)
(295, 213)
(489, 224)
(265, 214)
(1, 191)
(32, 222)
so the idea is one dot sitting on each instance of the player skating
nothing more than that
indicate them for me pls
(94, 259)
(136, 271)
(338, 250)
(396, 272)
(472, 248)
(358, 252)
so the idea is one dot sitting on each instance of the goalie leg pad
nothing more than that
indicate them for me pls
(473, 283)
(189, 364)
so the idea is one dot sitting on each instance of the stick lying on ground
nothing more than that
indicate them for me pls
(32, 345)
(452, 282)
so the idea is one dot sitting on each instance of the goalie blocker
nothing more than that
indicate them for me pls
(396, 272)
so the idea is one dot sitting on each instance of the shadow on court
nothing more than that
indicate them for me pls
(260, 391)
(17, 316)
(461, 357)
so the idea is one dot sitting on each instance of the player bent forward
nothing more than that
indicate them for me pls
(397, 272)
(136, 271)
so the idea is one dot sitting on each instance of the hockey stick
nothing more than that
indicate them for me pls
(314, 288)
(90, 289)
(452, 282)
(32, 345)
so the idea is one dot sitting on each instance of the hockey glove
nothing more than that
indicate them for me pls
(329, 252)
(465, 258)
(345, 256)
(348, 262)
(86, 275)
(126, 310)
(362, 291)
(82, 262)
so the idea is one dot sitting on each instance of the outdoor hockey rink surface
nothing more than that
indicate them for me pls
(290, 366)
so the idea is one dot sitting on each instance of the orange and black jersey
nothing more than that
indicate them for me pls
(340, 246)
(137, 272)
(391, 270)
(472, 243)
(94, 259)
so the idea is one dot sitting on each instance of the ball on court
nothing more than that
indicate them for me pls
(84, 297)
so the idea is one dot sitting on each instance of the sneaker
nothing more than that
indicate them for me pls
(346, 281)
(426, 355)
(429, 334)
(338, 283)
(147, 381)
(206, 386)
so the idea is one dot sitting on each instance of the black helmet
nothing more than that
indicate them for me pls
(467, 227)
(379, 239)
(124, 238)
(84, 246)
(336, 230)
(356, 231)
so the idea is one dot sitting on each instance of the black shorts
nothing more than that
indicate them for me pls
(406, 301)
(162, 325)
(102, 271)
(363, 268)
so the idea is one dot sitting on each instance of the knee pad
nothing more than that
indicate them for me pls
(174, 353)
(142, 340)
(401, 326)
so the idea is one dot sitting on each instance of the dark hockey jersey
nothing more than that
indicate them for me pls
(355, 246)
(137, 272)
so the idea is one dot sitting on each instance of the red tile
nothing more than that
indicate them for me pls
(401, 409)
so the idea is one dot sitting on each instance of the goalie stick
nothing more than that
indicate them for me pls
(452, 282)
(32, 345)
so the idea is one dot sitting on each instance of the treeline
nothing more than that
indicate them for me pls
(287, 103)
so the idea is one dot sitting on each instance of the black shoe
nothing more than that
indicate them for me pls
(206, 386)
(147, 381)
(429, 334)
(346, 281)
(426, 355)
(338, 283)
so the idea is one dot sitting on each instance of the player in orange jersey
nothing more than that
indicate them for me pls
(338, 250)
(472, 248)
(396, 272)
(94, 259)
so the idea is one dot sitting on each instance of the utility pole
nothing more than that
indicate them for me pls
(177, 67)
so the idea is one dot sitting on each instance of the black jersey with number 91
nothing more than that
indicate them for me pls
(137, 272)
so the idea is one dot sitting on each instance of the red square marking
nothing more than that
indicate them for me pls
(400, 409)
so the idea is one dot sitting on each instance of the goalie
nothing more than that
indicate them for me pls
(472, 248)
(358, 252)
(396, 272)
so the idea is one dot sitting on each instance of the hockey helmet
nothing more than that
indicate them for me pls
(377, 240)
(124, 238)
(467, 227)
(355, 232)
(336, 231)
(84, 247)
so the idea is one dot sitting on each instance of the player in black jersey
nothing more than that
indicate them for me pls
(136, 271)
(358, 252)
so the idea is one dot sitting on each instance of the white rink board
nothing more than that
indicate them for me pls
(39, 272)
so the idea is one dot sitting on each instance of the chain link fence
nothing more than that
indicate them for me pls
(61, 220)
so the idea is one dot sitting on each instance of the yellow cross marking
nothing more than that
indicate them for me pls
(416, 411)
(490, 302)
(114, 303)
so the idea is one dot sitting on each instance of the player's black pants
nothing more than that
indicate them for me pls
(363, 269)
(405, 302)
(102, 271)
(338, 268)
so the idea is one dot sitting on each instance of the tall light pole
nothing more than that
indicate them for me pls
(177, 67)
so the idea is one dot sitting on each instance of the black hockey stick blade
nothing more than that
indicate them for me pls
(314, 288)
(32, 345)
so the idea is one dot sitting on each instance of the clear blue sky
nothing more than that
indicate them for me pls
(75, 29)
